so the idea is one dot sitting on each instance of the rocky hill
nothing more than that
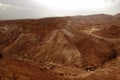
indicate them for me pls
(65, 48)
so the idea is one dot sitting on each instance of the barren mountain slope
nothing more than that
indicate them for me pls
(70, 47)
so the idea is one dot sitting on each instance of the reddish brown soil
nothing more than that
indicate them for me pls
(63, 48)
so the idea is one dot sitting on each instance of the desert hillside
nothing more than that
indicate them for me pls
(61, 48)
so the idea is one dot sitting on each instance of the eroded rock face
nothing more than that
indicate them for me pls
(95, 51)
(111, 31)
(68, 45)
